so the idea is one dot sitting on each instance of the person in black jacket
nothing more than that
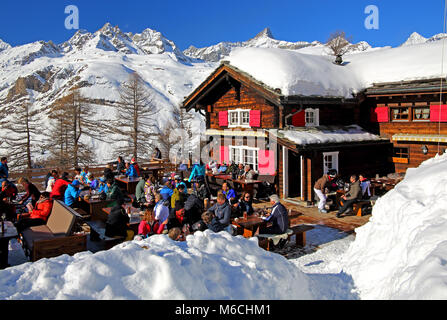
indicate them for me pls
(116, 224)
(193, 208)
(120, 166)
(278, 218)
(245, 205)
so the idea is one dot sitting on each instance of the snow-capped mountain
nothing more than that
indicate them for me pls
(4, 45)
(264, 39)
(98, 63)
(416, 38)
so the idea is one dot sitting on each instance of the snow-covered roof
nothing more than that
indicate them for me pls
(297, 73)
(324, 134)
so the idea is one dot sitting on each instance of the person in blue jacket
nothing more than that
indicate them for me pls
(102, 187)
(131, 172)
(166, 192)
(4, 170)
(72, 194)
(178, 182)
(197, 171)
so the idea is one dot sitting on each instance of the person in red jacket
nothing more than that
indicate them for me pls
(59, 187)
(38, 215)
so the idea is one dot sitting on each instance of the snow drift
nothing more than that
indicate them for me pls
(402, 252)
(206, 266)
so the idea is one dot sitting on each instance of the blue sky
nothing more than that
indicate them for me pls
(203, 23)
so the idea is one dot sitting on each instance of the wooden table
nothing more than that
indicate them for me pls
(128, 184)
(247, 185)
(383, 185)
(248, 227)
(94, 207)
(10, 233)
(151, 170)
(134, 220)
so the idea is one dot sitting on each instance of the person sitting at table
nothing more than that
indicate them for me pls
(136, 166)
(223, 168)
(365, 185)
(130, 171)
(351, 196)
(148, 225)
(249, 173)
(200, 190)
(198, 171)
(245, 205)
(213, 166)
(176, 216)
(194, 207)
(149, 191)
(38, 215)
(166, 192)
(108, 172)
(240, 171)
(114, 192)
(157, 154)
(7, 194)
(71, 195)
(222, 210)
(320, 189)
(84, 174)
(229, 193)
(93, 183)
(50, 179)
(278, 218)
(78, 175)
(139, 191)
(161, 213)
(31, 191)
(102, 186)
(120, 166)
(116, 224)
(178, 194)
(4, 170)
(58, 191)
(178, 182)
(212, 222)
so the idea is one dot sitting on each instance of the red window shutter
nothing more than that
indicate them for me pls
(266, 162)
(223, 118)
(380, 114)
(438, 113)
(299, 119)
(255, 118)
(224, 154)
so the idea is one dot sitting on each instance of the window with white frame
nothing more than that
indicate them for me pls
(245, 155)
(312, 117)
(330, 161)
(239, 118)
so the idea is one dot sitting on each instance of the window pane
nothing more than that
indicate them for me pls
(234, 118)
(245, 115)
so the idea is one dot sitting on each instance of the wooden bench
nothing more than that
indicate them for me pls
(97, 233)
(57, 236)
(359, 207)
(300, 236)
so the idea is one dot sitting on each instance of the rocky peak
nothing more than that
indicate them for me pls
(4, 45)
(266, 33)
(415, 38)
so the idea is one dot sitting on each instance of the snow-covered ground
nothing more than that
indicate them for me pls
(400, 253)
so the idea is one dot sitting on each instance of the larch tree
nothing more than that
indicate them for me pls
(135, 118)
(21, 141)
(73, 119)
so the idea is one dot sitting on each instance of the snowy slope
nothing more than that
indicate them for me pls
(401, 253)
